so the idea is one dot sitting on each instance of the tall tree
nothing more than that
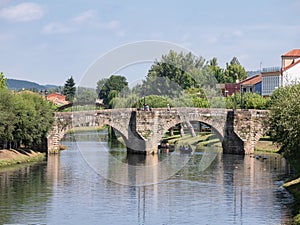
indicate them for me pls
(69, 89)
(216, 71)
(175, 72)
(234, 71)
(109, 88)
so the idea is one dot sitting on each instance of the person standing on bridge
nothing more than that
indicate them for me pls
(169, 107)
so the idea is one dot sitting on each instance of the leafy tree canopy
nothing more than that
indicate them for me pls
(26, 118)
(175, 72)
(234, 71)
(86, 94)
(109, 88)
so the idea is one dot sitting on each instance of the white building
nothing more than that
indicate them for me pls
(290, 67)
(288, 74)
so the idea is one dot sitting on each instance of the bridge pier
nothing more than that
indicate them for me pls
(243, 130)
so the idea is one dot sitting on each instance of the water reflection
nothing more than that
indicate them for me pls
(67, 190)
(23, 194)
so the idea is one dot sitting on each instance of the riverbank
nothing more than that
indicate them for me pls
(293, 187)
(14, 157)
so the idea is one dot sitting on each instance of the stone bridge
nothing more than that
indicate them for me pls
(238, 130)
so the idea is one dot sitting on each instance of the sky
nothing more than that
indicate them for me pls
(49, 41)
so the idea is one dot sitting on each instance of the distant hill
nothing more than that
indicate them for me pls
(14, 84)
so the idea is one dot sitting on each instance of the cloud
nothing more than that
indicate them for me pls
(86, 20)
(85, 16)
(53, 28)
(226, 37)
(112, 25)
(23, 12)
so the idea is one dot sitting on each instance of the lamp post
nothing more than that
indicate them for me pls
(242, 95)
(235, 86)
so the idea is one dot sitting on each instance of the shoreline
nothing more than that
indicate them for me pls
(15, 157)
(293, 186)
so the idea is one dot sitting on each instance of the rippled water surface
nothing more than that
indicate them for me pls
(69, 190)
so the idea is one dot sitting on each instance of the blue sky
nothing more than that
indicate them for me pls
(48, 41)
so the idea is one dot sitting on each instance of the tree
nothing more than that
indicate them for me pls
(8, 117)
(216, 71)
(3, 81)
(69, 89)
(114, 84)
(234, 71)
(26, 118)
(285, 122)
(173, 73)
(86, 94)
(247, 101)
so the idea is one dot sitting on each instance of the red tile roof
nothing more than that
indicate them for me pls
(57, 98)
(292, 53)
(251, 80)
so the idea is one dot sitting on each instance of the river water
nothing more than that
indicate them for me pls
(80, 187)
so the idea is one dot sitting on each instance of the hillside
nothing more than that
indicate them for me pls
(14, 84)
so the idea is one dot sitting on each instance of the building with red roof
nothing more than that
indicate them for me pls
(252, 84)
(57, 98)
(288, 74)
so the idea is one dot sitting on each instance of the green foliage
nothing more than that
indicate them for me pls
(216, 71)
(114, 84)
(86, 95)
(285, 121)
(198, 97)
(234, 71)
(25, 118)
(254, 101)
(130, 101)
(3, 80)
(69, 89)
(156, 101)
(247, 101)
(174, 73)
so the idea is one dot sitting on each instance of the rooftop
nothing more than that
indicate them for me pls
(252, 80)
(292, 53)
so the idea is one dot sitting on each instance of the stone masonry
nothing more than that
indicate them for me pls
(238, 130)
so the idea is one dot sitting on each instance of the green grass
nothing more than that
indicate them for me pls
(266, 146)
(23, 160)
(202, 139)
(85, 129)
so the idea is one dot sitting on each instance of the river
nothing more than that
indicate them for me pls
(83, 186)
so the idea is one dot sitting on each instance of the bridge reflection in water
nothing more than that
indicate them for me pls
(233, 189)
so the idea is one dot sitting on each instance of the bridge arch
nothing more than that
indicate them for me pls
(173, 123)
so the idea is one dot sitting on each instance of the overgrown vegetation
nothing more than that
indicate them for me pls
(285, 130)
(26, 118)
